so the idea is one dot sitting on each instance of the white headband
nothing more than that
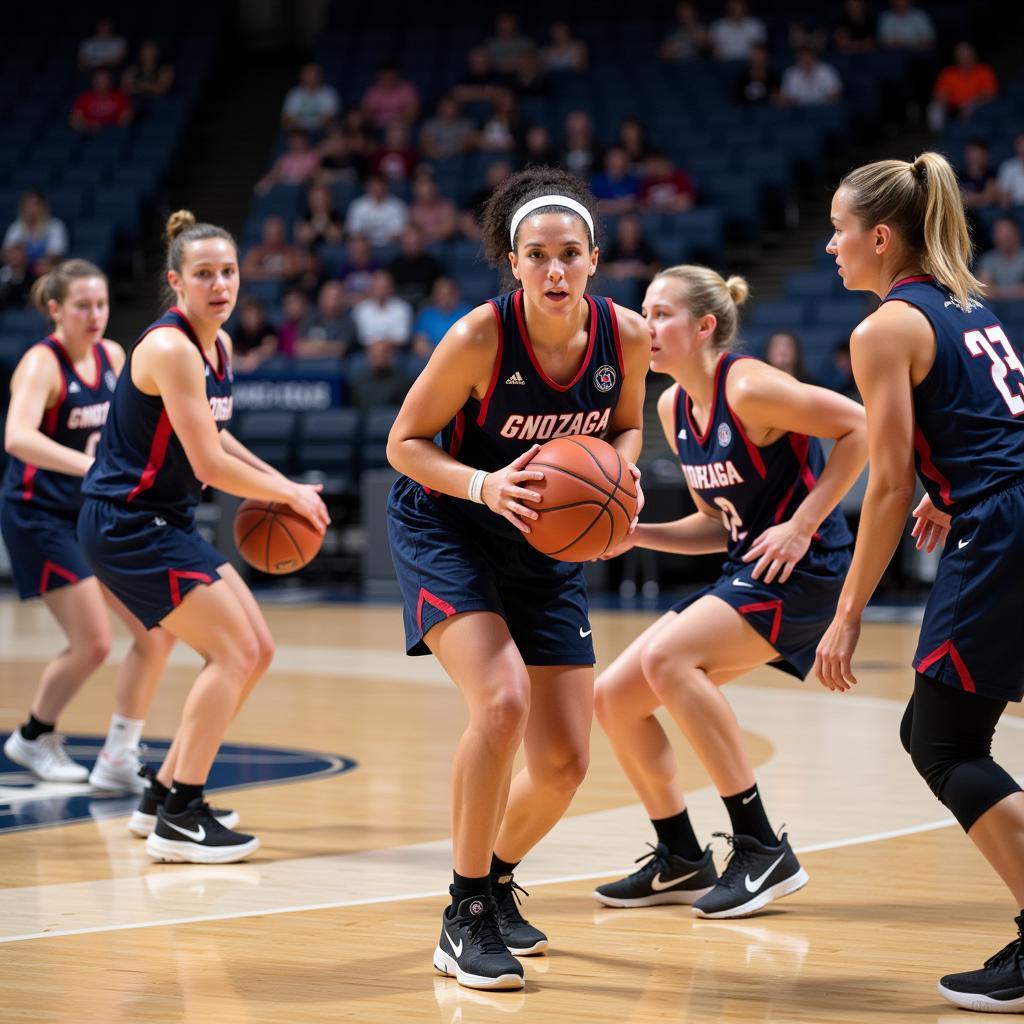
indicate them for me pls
(535, 204)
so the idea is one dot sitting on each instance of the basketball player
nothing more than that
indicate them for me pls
(509, 625)
(60, 395)
(746, 435)
(163, 441)
(943, 388)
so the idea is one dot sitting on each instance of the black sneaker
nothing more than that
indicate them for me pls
(664, 878)
(196, 837)
(998, 987)
(755, 875)
(518, 934)
(143, 819)
(472, 950)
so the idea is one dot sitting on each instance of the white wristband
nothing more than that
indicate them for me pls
(476, 486)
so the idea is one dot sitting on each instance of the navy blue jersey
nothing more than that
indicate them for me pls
(969, 409)
(140, 462)
(74, 421)
(524, 406)
(754, 488)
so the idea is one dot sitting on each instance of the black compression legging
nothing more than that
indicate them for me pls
(948, 734)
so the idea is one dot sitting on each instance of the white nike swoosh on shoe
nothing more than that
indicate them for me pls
(755, 884)
(657, 884)
(199, 835)
(585, 635)
(457, 947)
(742, 583)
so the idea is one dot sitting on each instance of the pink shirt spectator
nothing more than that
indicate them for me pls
(393, 103)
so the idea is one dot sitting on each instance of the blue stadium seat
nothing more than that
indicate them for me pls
(269, 434)
(779, 313)
(814, 284)
(376, 427)
(328, 443)
(28, 323)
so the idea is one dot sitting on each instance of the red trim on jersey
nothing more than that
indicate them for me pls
(752, 450)
(774, 606)
(517, 304)
(801, 446)
(482, 414)
(966, 681)
(194, 338)
(615, 335)
(66, 356)
(675, 415)
(928, 468)
(53, 569)
(157, 453)
(457, 433)
(916, 279)
(426, 597)
(28, 482)
(174, 575)
(701, 438)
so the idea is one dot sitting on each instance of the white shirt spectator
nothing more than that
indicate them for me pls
(1011, 180)
(102, 52)
(387, 321)
(1004, 271)
(732, 39)
(311, 109)
(808, 87)
(52, 242)
(382, 221)
(911, 28)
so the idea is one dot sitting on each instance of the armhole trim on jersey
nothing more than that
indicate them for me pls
(49, 423)
(615, 335)
(481, 416)
(189, 331)
(928, 468)
(752, 450)
(699, 437)
(517, 304)
(675, 414)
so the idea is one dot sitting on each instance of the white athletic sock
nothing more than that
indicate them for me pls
(124, 734)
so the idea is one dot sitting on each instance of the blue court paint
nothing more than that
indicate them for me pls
(27, 803)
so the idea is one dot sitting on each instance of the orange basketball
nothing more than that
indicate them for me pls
(273, 537)
(588, 498)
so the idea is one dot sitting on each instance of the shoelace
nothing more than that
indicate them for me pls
(53, 744)
(507, 903)
(484, 931)
(739, 858)
(653, 863)
(1011, 951)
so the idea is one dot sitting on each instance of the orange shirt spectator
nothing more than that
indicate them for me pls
(102, 106)
(965, 82)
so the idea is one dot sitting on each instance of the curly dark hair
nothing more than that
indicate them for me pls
(521, 188)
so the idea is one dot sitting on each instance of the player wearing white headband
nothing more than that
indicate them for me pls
(509, 625)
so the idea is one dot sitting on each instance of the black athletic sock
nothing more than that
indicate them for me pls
(158, 789)
(33, 728)
(500, 868)
(678, 835)
(180, 796)
(463, 887)
(746, 812)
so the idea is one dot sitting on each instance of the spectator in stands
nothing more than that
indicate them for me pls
(906, 27)
(616, 188)
(448, 132)
(311, 105)
(760, 83)
(395, 158)
(960, 87)
(732, 37)
(16, 277)
(378, 380)
(43, 236)
(1001, 269)
(564, 51)
(810, 82)
(688, 40)
(254, 338)
(978, 187)
(581, 154)
(665, 188)
(437, 316)
(274, 258)
(477, 85)
(148, 78)
(377, 213)
(342, 156)
(529, 77)
(330, 331)
(382, 315)
(633, 138)
(433, 214)
(297, 165)
(391, 99)
(414, 271)
(857, 30)
(469, 221)
(320, 224)
(784, 351)
(104, 49)
(630, 256)
(507, 44)
(537, 148)
(101, 106)
(504, 130)
(358, 269)
(1011, 175)
(295, 314)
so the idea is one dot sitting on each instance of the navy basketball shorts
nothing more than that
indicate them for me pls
(971, 632)
(145, 561)
(43, 548)
(791, 616)
(446, 565)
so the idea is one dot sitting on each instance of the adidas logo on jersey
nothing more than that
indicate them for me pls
(516, 378)
(74, 387)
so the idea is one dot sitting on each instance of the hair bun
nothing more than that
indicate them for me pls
(180, 220)
(738, 289)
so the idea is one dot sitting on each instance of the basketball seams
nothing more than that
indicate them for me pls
(597, 462)
(240, 541)
(611, 495)
(302, 560)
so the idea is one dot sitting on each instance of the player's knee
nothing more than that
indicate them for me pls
(606, 701)
(240, 656)
(95, 650)
(664, 670)
(155, 644)
(266, 653)
(567, 772)
(505, 715)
